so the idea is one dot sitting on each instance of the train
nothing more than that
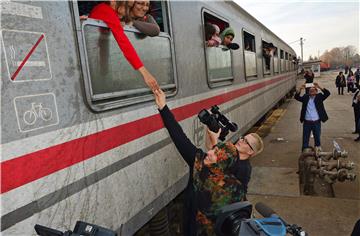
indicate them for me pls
(81, 137)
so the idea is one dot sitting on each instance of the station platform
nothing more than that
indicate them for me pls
(275, 182)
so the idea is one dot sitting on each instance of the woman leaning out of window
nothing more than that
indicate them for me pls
(142, 21)
(111, 12)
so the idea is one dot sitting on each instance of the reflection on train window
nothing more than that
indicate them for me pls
(286, 61)
(249, 54)
(276, 61)
(111, 79)
(218, 57)
(157, 10)
(282, 61)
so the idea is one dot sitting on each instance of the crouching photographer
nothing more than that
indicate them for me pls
(213, 182)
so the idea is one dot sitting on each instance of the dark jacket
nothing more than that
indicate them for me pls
(340, 81)
(203, 196)
(319, 98)
(356, 93)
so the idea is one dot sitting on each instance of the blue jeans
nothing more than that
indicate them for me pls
(315, 128)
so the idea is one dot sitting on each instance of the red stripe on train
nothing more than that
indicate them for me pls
(27, 168)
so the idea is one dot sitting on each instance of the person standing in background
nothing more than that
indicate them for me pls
(340, 83)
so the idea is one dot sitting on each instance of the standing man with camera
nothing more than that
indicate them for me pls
(312, 113)
(212, 183)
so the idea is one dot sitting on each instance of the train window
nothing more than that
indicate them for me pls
(276, 61)
(249, 54)
(290, 64)
(268, 50)
(218, 57)
(286, 61)
(110, 81)
(282, 61)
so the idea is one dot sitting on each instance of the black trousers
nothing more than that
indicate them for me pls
(342, 90)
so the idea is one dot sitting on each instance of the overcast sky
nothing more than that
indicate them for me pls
(324, 24)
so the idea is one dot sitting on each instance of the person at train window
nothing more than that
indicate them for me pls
(143, 21)
(215, 39)
(227, 36)
(312, 113)
(209, 32)
(340, 83)
(268, 52)
(110, 12)
(212, 183)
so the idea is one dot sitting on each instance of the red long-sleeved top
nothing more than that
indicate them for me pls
(105, 13)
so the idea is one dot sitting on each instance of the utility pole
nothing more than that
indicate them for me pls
(301, 45)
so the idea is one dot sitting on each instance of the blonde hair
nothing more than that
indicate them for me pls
(258, 146)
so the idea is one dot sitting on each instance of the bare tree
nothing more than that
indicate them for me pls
(341, 56)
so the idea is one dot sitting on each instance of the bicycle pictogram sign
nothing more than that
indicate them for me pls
(37, 111)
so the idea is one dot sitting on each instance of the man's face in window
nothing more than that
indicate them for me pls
(228, 39)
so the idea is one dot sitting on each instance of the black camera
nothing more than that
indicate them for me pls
(217, 120)
(81, 228)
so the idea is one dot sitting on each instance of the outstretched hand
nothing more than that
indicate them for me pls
(149, 78)
(160, 98)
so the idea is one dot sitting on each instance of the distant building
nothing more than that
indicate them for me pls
(313, 65)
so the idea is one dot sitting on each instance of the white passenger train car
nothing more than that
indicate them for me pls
(81, 138)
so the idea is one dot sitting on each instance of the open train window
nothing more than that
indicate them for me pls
(282, 61)
(249, 54)
(110, 81)
(218, 57)
(268, 50)
(290, 64)
(276, 61)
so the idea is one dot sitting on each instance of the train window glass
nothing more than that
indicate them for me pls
(218, 57)
(276, 61)
(282, 61)
(110, 81)
(268, 51)
(249, 54)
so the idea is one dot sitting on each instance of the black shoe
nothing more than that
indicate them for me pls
(357, 139)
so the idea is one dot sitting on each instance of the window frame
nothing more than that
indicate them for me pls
(94, 101)
(250, 77)
(219, 82)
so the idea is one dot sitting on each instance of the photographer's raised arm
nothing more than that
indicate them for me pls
(297, 94)
(211, 138)
(181, 141)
